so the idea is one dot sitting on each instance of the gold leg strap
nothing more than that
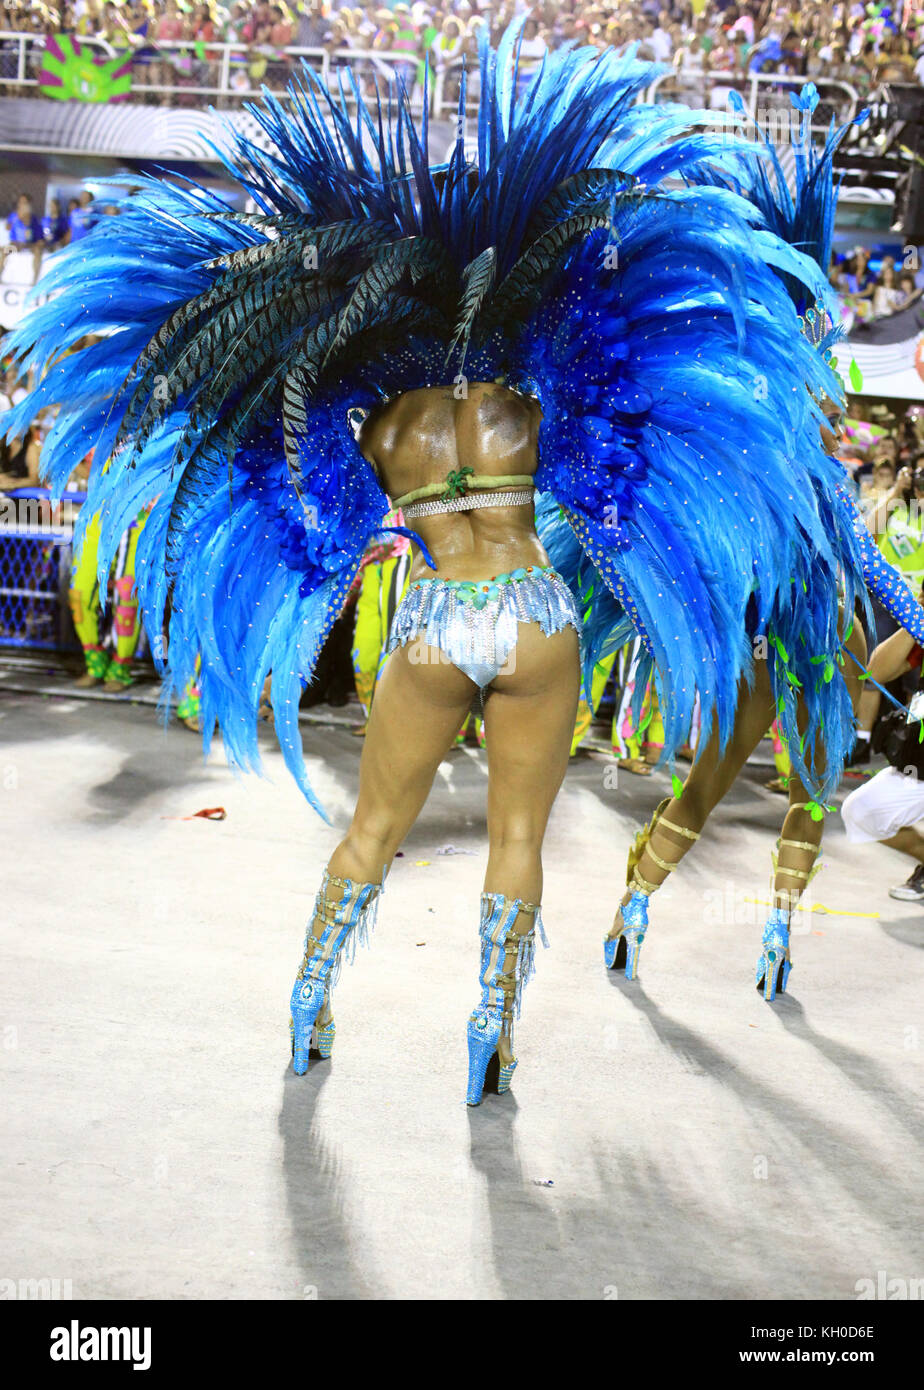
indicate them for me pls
(507, 981)
(320, 946)
(643, 846)
(338, 882)
(678, 829)
(806, 847)
(641, 884)
(661, 863)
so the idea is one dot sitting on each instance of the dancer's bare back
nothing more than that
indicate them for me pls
(422, 436)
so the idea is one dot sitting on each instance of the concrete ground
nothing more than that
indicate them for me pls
(672, 1138)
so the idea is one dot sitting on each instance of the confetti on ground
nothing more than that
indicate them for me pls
(816, 907)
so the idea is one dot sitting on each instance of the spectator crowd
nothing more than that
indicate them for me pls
(865, 44)
(871, 289)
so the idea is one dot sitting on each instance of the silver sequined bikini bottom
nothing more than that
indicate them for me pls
(475, 623)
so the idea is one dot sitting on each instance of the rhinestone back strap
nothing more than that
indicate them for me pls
(516, 497)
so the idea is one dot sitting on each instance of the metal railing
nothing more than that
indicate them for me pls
(235, 72)
(762, 94)
(21, 55)
(228, 74)
(35, 568)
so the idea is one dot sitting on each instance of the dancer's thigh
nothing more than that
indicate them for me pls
(529, 722)
(856, 644)
(714, 771)
(420, 703)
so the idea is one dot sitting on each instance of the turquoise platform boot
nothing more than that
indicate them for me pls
(344, 921)
(502, 992)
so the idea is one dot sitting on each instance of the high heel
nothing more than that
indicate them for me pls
(621, 952)
(502, 992)
(484, 1031)
(320, 1042)
(344, 921)
(774, 965)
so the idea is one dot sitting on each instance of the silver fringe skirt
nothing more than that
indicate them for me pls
(475, 623)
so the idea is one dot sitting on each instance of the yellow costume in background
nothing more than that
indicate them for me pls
(587, 708)
(383, 584)
(85, 603)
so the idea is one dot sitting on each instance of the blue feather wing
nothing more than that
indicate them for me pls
(680, 437)
(250, 570)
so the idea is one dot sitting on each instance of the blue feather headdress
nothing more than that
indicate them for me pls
(803, 216)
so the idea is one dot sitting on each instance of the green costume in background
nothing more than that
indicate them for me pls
(85, 603)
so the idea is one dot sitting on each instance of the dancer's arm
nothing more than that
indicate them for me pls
(891, 658)
(882, 580)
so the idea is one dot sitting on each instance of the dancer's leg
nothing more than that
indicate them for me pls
(419, 704)
(707, 782)
(633, 735)
(653, 744)
(800, 837)
(367, 634)
(418, 707)
(799, 843)
(83, 596)
(126, 617)
(529, 723)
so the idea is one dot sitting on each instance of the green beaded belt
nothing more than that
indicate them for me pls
(478, 592)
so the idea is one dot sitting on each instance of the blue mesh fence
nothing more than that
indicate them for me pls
(35, 564)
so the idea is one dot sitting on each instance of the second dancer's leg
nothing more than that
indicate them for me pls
(677, 822)
(798, 847)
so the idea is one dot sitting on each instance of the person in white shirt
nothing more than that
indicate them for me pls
(887, 297)
(533, 45)
(660, 41)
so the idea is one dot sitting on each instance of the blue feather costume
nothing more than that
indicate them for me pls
(804, 218)
(805, 652)
(680, 432)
